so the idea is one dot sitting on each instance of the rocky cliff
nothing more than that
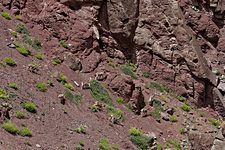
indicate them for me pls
(177, 43)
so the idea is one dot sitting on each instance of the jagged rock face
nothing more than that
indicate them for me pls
(151, 33)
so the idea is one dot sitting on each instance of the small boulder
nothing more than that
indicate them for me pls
(165, 116)
(73, 62)
(100, 76)
(170, 111)
(62, 99)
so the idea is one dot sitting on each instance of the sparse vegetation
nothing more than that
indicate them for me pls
(139, 139)
(20, 115)
(216, 123)
(80, 146)
(69, 86)
(25, 132)
(10, 61)
(120, 100)
(94, 108)
(22, 50)
(75, 98)
(10, 127)
(185, 107)
(81, 130)
(19, 17)
(104, 145)
(27, 39)
(183, 131)
(28, 143)
(13, 85)
(173, 118)
(62, 78)
(6, 15)
(14, 34)
(146, 74)
(129, 69)
(41, 86)
(173, 144)
(117, 114)
(158, 87)
(36, 44)
(100, 93)
(63, 44)
(111, 63)
(20, 28)
(40, 56)
(135, 131)
(181, 98)
(30, 106)
(156, 113)
(56, 61)
(3, 94)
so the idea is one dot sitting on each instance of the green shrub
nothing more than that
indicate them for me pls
(13, 85)
(104, 145)
(56, 61)
(80, 146)
(40, 56)
(183, 131)
(120, 100)
(14, 34)
(81, 130)
(139, 139)
(63, 44)
(22, 50)
(186, 107)
(69, 86)
(20, 28)
(30, 106)
(173, 144)
(111, 63)
(10, 61)
(27, 39)
(159, 147)
(62, 78)
(146, 74)
(99, 92)
(10, 127)
(216, 123)
(156, 113)
(3, 94)
(173, 118)
(41, 86)
(129, 69)
(6, 15)
(36, 44)
(135, 131)
(25, 132)
(75, 98)
(20, 115)
(157, 86)
(181, 98)
(117, 114)
(19, 17)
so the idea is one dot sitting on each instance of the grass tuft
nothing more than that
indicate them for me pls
(30, 106)
(6, 15)
(41, 86)
(100, 93)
